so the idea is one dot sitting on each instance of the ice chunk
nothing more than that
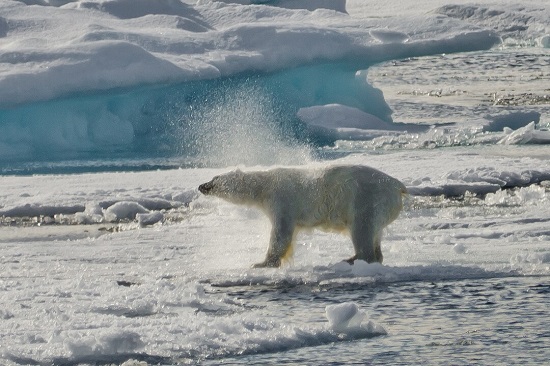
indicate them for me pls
(533, 195)
(92, 214)
(145, 219)
(107, 344)
(460, 248)
(347, 318)
(525, 135)
(343, 317)
(334, 116)
(340, 122)
(124, 210)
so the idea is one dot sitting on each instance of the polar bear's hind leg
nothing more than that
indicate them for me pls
(378, 249)
(363, 236)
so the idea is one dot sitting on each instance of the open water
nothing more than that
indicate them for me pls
(484, 321)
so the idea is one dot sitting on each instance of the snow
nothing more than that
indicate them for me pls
(88, 290)
(96, 45)
(107, 345)
(532, 195)
(504, 18)
(96, 77)
(337, 5)
(97, 200)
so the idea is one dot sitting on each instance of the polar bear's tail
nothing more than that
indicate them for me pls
(407, 201)
(403, 190)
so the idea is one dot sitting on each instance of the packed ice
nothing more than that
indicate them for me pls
(81, 57)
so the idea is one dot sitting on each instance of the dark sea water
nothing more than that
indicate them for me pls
(486, 321)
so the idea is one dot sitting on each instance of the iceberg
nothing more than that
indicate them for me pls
(81, 46)
(89, 79)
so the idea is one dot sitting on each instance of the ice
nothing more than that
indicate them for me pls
(347, 318)
(167, 292)
(95, 201)
(337, 5)
(91, 198)
(511, 121)
(534, 258)
(124, 210)
(30, 210)
(525, 135)
(480, 180)
(90, 79)
(533, 195)
(107, 44)
(93, 213)
(343, 317)
(108, 344)
(340, 122)
(514, 26)
(460, 248)
(145, 219)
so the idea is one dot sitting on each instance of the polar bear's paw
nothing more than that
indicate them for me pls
(268, 264)
(350, 260)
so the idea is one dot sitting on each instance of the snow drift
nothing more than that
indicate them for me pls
(87, 79)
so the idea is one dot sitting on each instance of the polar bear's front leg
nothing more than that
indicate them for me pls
(280, 242)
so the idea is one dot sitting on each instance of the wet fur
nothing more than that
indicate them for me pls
(352, 199)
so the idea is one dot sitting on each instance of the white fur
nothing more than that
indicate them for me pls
(355, 199)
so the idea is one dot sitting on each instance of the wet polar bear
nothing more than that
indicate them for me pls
(355, 199)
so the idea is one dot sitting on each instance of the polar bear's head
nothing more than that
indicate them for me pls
(235, 186)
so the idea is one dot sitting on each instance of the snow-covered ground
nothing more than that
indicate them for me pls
(95, 286)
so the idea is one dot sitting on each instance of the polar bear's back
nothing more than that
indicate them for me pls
(365, 189)
(363, 176)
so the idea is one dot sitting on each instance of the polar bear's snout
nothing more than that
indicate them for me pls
(205, 188)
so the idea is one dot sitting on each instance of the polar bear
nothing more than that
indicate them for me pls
(354, 199)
